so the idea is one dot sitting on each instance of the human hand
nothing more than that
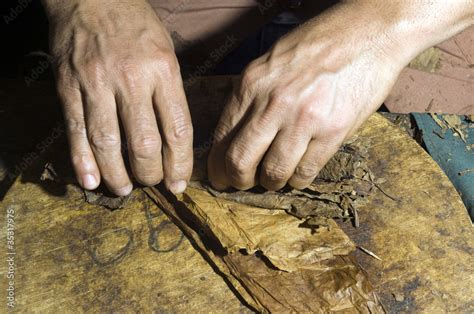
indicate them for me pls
(115, 62)
(296, 104)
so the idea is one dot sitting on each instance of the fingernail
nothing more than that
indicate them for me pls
(125, 190)
(178, 187)
(89, 182)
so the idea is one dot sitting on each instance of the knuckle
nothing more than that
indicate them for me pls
(130, 71)
(81, 160)
(102, 140)
(249, 80)
(145, 146)
(275, 173)
(266, 120)
(63, 73)
(220, 133)
(237, 165)
(252, 78)
(280, 98)
(166, 63)
(92, 71)
(75, 126)
(308, 112)
(92, 65)
(67, 85)
(306, 172)
(276, 108)
(131, 77)
(179, 131)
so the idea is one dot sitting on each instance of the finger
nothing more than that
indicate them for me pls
(143, 137)
(232, 119)
(282, 158)
(248, 148)
(234, 114)
(104, 137)
(316, 156)
(83, 161)
(177, 132)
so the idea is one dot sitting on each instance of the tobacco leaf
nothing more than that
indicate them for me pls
(347, 163)
(58, 172)
(454, 122)
(49, 173)
(294, 203)
(337, 285)
(275, 261)
(342, 286)
(428, 60)
(280, 237)
(342, 185)
(439, 122)
(103, 199)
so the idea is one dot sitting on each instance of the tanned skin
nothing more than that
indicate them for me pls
(294, 107)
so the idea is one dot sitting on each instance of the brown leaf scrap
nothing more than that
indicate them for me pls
(454, 122)
(428, 60)
(279, 262)
(102, 199)
(294, 203)
(336, 284)
(451, 122)
(341, 186)
(274, 233)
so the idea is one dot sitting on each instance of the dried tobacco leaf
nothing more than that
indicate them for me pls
(342, 185)
(454, 122)
(293, 203)
(428, 60)
(337, 285)
(347, 163)
(102, 199)
(279, 262)
(439, 122)
(342, 286)
(280, 237)
(49, 173)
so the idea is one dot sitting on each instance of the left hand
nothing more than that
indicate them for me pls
(296, 104)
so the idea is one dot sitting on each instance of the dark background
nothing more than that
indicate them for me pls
(24, 33)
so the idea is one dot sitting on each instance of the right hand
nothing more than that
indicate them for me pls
(115, 59)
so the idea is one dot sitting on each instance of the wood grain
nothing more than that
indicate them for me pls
(73, 256)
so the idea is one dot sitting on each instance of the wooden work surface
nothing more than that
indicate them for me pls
(73, 256)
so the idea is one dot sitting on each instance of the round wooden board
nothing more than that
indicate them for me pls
(71, 255)
(425, 238)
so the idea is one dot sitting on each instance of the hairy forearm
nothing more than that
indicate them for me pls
(414, 25)
(396, 30)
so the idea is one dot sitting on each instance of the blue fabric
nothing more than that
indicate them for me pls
(452, 156)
